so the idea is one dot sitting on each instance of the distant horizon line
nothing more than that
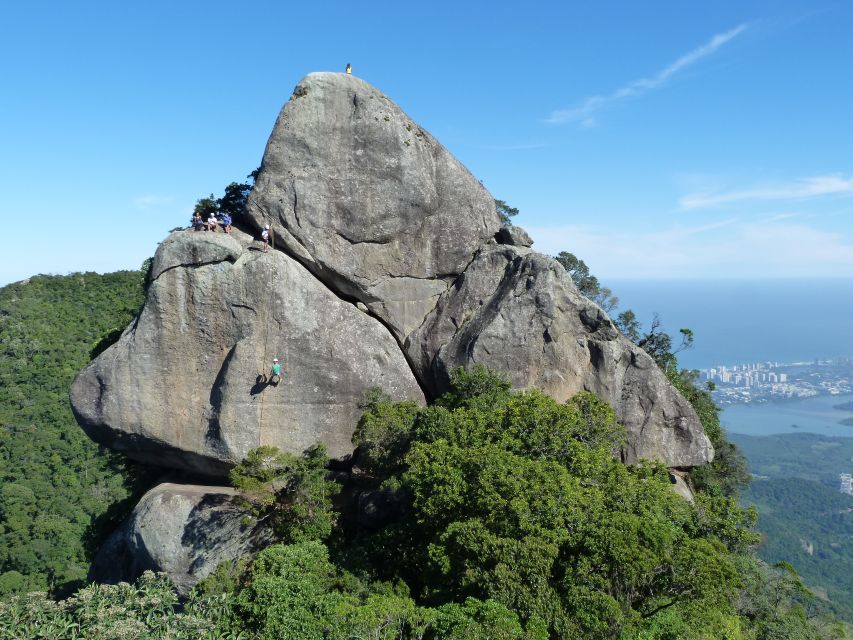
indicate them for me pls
(603, 280)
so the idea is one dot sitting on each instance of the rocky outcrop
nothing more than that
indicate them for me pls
(370, 202)
(518, 312)
(515, 236)
(194, 250)
(390, 268)
(181, 530)
(185, 384)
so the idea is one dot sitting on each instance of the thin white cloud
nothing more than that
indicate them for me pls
(729, 249)
(798, 190)
(151, 201)
(585, 112)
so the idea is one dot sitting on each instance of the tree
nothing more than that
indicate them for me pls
(505, 211)
(518, 499)
(658, 344)
(60, 493)
(289, 494)
(587, 283)
(628, 324)
(233, 201)
(206, 206)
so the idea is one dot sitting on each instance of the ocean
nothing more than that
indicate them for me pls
(811, 415)
(739, 322)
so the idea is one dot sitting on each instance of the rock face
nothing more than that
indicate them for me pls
(181, 387)
(182, 530)
(390, 268)
(518, 311)
(368, 200)
(515, 236)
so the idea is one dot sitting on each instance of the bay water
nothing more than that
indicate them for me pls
(746, 321)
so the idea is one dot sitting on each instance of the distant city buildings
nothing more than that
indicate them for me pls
(847, 484)
(762, 381)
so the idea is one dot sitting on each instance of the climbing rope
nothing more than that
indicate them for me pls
(272, 292)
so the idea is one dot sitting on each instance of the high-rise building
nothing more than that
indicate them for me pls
(847, 483)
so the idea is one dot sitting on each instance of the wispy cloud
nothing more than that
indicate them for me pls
(729, 249)
(797, 190)
(585, 112)
(151, 201)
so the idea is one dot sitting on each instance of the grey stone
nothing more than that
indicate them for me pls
(512, 235)
(369, 201)
(518, 312)
(680, 486)
(181, 530)
(193, 249)
(389, 268)
(185, 386)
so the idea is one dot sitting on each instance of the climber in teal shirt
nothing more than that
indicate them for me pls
(276, 372)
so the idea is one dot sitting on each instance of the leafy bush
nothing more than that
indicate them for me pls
(290, 493)
(147, 610)
(518, 499)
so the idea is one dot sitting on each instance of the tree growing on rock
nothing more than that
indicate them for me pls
(587, 283)
(518, 499)
(288, 493)
(232, 202)
(505, 211)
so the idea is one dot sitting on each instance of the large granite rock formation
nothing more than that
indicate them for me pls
(181, 387)
(518, 311)
(370, 214)
(181, 530)
(368, 200)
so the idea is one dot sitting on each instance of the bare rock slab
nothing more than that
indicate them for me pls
(185, 386)
(518, 312)
(368, 200)
(184, 531)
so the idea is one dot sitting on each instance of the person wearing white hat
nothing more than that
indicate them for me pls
(265, 236)
(276, 372)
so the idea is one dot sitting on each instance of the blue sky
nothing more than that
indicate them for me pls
(653, 140)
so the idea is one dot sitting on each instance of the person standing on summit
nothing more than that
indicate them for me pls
(349, 69)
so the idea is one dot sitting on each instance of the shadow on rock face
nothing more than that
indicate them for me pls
(261, 383)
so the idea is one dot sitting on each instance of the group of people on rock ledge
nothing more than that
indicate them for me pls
(212, 223)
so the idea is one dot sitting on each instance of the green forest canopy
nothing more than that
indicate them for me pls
(59, 492)
(519, 522)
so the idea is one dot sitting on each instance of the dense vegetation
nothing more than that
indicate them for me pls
(809, 525)
(516, 523)
(59, 492)
(803, 517)
(797, 455)
(505, 514)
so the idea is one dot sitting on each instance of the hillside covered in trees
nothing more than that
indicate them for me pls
(59, 492)
(803, 517)
(513, 520)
